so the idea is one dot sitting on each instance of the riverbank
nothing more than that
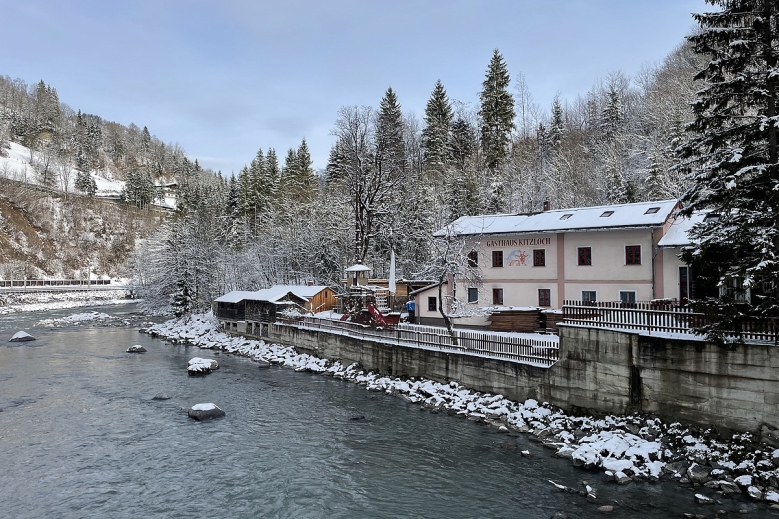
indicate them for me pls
(623, 449)
(43, 301)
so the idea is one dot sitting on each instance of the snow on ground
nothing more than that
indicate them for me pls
(76, 319)
(17, 167)
(42, 301)
(624, 448)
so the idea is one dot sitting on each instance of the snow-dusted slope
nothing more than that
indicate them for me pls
(17, 167)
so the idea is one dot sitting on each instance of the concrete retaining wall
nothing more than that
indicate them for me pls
(513, 380)
(600, 371)
(734, 388)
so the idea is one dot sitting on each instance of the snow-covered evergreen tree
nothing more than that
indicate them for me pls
(557, 126)
(305, 181)
(435, 136)
(86, 183)
(732, 157)
(497, 112)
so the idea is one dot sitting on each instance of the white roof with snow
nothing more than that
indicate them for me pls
(642, 214)
(272, 294)
(678, 234)
(235, 296)
(358, 268)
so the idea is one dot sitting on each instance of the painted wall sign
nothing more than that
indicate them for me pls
(518, 258)
(519, 242)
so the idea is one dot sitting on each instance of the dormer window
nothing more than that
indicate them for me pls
(606, 214)
(566, 216)
(652, 210)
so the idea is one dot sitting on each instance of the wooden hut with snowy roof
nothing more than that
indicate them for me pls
(245, 312)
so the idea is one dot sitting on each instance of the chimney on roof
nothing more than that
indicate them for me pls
(546, 205)
(310, 283)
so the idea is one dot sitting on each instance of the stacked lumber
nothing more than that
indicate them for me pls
(515, 320)
(552, 318)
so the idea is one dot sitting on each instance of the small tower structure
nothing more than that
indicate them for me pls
(358, 275)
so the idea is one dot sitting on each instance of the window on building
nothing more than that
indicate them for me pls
(627, 296)
(685, 284)
(497, 296)
(544, 297)
(473, 259)
(584, 255)
(589, 296)
(606, 214)
(473, 295)
(497, 258)
(539, 257)
(432, 304)
(652, 210)
(733, 288)
(566, 216)
(633, 254)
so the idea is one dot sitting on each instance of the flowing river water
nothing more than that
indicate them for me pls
(81, 436)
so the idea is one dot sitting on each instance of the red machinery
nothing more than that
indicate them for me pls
(361, 308)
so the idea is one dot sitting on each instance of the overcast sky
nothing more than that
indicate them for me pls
(224, 78)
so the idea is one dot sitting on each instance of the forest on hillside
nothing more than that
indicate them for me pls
(62, 140)
(394, 178)
(47, 231)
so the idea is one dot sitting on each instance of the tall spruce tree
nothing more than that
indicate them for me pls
(390, 146)
(497, 112)
(305, 182)
(557, 126)
(336, 163)
(435, 135)
(732, 159)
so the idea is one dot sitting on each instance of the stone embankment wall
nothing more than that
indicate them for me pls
(735, 388)
(512, 380)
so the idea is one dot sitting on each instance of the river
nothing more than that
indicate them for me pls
(81, 436)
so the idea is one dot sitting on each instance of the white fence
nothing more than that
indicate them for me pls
(543, 351)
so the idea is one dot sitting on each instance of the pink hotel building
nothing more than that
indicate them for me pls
(624, 252)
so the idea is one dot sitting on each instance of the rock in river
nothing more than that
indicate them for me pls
(22, 337)
(198, 366)
(203, 412)
(136, 349)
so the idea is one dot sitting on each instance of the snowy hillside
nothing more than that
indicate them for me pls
(44, 236)
(16, 166)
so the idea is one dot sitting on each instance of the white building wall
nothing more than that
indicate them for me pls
(671, 264)
(609, 273)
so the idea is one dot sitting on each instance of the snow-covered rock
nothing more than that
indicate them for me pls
(136, 349)
(203, 412)
(755, 493)
(586, 456)
(703, 500)
(198, 366)
(565, 452)
(22, 336)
